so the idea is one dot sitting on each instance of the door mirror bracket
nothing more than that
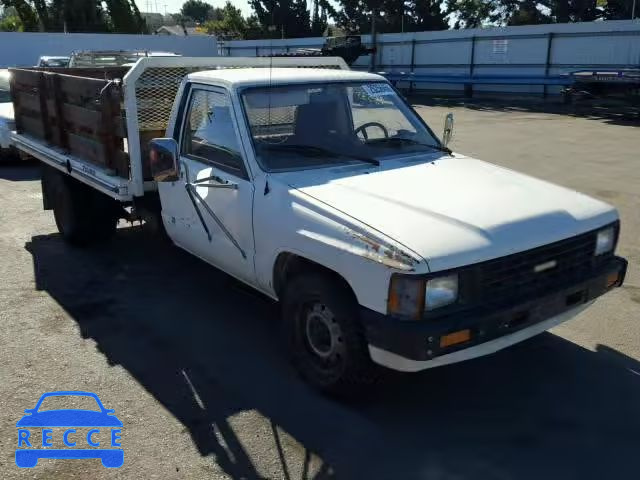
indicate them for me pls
(163, 160)
(448, 129)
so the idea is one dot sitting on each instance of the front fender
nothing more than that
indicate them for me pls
(316, 232)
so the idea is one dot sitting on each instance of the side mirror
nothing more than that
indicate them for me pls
(163, 159)
(448, 129)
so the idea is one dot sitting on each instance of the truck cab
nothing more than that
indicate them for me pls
(327, 192)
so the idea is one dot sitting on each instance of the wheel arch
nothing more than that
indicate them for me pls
(289, 264)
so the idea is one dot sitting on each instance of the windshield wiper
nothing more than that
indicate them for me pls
(411, 141)
(314, 150)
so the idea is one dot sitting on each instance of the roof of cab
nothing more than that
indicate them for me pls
(241, 77)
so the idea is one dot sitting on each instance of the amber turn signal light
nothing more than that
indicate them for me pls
(454, 338)
(612, 279)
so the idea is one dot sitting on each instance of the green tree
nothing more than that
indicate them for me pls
(476, 13)
(26, 13)
(355, 16)
(322, 11)
(427, 15)
(282, 18)
(254, 29)
(619, 9)
(124, 17)
(197, 10)
(10, 21)
(393, 15)
(120, 16)
(227, 23)
(527, 13)
(71, 15)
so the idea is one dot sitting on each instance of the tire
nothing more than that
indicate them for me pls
(324, 335)
(83, 216)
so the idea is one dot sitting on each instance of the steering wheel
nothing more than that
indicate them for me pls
(363, 128)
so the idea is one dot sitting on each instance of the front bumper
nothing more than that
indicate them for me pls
(417, 345)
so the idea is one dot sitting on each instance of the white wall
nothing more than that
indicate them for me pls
(574, 46)
(24, 49)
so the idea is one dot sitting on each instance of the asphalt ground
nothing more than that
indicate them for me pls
(191, 361)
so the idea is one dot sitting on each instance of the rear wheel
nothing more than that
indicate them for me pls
(82, 215)
(324, 335)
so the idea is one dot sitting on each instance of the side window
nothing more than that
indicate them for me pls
(208, 132)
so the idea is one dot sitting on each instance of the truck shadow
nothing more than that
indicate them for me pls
(17, 170)
(208, 349)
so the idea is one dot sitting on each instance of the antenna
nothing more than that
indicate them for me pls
(270, 82)
(272, 28)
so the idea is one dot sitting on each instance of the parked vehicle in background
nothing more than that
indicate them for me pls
(323, 189)
(50, 61)
(7, 123)
(622, 84)
(112, 58)
(349, 48)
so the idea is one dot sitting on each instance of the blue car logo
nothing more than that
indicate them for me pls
(98, 421)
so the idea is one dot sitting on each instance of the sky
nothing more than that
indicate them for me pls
(174, 6)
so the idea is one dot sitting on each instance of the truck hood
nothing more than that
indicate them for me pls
(455, 211)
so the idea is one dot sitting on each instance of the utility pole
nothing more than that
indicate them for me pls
(633, 10)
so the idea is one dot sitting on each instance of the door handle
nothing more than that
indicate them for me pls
(215, 182)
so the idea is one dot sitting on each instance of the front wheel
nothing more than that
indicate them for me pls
(324, 335)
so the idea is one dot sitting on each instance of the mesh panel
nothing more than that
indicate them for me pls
(274, 121)
(202, 105)
(155, 93)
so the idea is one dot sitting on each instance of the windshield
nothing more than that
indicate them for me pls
(315, 125)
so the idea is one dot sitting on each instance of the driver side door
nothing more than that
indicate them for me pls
(208, 210)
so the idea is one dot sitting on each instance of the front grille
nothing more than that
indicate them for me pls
(513, 278)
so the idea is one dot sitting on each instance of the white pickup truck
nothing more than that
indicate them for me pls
(323, 189)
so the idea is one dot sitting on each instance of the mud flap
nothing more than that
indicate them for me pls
(50, 180)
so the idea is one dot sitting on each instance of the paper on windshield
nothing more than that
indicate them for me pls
(378, 89)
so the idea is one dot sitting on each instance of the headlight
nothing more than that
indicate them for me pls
(406, 296)
(410, 296)
(605, 241)
(441, 291)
